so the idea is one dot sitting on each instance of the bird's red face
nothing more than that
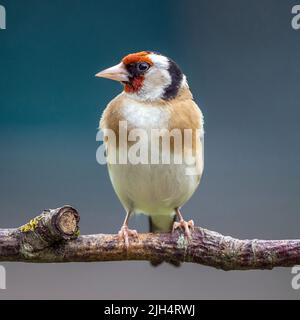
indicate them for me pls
(146, 76)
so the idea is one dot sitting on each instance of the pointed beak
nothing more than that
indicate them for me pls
(117, 73)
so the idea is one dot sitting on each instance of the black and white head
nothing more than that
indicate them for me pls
(147, 76)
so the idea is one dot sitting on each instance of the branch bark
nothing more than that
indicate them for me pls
(53, 236)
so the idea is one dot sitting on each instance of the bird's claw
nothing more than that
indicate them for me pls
(125, 233)
(187, 226)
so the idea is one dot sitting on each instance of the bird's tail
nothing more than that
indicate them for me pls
(162, 224)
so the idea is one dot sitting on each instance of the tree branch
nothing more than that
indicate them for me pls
(53, 236)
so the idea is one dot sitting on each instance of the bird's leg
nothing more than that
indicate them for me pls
(125, 233)
(186, 226)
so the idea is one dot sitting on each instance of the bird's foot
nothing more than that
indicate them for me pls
(187, 227)
(125, 233)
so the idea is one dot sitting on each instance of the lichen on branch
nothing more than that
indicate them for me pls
(53, 236)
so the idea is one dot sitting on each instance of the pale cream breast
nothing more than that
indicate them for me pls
(154, 189)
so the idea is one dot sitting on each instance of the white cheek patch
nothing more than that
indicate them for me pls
(155, 83)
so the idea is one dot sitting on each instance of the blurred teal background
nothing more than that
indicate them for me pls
(242, 63)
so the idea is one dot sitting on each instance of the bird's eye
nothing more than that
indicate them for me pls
(143, 66)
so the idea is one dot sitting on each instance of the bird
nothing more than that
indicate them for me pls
(155, 96)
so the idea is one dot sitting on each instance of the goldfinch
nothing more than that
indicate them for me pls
(156, 96)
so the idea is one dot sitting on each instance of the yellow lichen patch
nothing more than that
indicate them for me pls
(77, 233)
(31, 225)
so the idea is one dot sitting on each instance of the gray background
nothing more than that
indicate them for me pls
(242, 63)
